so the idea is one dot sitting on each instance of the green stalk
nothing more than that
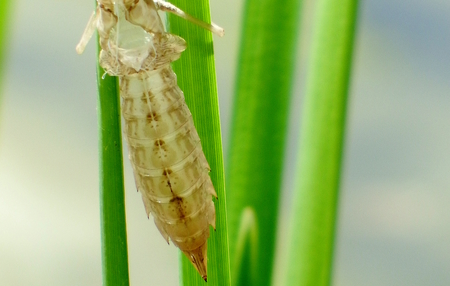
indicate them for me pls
(246, 250)
(321, 141)
(112, 201)
(4, 20)
(259, 127)
(197, 78)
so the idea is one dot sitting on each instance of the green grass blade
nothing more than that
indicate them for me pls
(4, 21)
(246, 272)
(112, 201)
(321, 141)
(259, 126)
(197, 78)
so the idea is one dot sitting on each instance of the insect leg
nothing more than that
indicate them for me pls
(88, 32)
(168, 7)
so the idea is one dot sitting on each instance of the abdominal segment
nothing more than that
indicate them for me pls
(170, 169)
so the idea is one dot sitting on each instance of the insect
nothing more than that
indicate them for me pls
(170, 169)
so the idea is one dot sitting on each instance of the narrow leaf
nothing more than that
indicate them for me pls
(4, 21)
(259, 125)
(321, 141)
(197, 78)
(247, 249)
(112, 200)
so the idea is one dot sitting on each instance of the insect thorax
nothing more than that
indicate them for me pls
(132, 45)
(165, 48)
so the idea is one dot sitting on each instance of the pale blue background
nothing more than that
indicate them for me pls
(394, 218)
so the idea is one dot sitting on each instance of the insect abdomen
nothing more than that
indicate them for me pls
(170, 169)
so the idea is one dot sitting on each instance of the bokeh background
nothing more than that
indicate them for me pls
(394, 217)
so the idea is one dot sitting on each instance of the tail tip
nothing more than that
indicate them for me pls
(199, 259)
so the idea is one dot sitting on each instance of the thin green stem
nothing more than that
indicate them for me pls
(112, 201)
(321, 144)
(4, 20)
(259, 127)
(247, 249)
(197, 78)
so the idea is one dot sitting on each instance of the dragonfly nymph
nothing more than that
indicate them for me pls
(170, 169)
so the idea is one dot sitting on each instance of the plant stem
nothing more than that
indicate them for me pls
(197, 78)
(4, 33)
(259, 127)
(112, 201)
(321, 141)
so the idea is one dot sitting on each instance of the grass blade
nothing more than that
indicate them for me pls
(246, 250)
(321, 141)
(259, 127)
(197, 78)
(4, 20)
(112, 201)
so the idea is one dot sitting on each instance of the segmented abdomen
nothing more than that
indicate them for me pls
(170, 169)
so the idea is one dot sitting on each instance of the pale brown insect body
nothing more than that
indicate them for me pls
(170, 169)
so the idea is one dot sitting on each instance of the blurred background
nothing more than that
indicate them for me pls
(394, 218)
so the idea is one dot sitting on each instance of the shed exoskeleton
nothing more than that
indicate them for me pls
(170, 169)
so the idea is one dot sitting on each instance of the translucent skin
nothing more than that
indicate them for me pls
(170, 169)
